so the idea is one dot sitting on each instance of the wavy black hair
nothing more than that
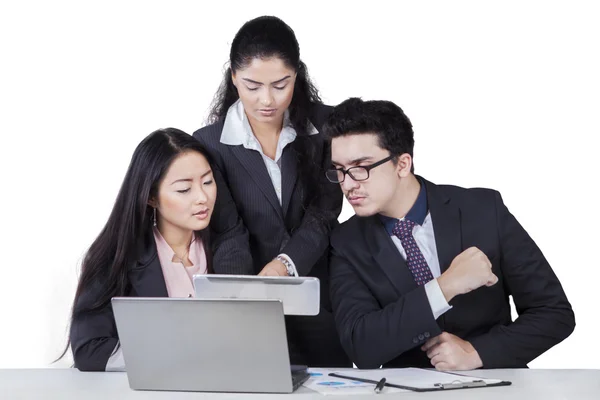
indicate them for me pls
(264, 38)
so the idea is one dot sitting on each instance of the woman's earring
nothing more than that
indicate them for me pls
(154, 218)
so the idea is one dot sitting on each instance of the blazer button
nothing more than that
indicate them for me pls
(421, 337)
(415, 340)
(426, 334)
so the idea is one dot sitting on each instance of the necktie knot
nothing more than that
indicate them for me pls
(403, 228)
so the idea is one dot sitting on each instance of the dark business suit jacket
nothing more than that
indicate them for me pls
(250, 227)
(94, 335)
(383, 317)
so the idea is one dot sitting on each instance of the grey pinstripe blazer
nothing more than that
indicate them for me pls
(250, 227)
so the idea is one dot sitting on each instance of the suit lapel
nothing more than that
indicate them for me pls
(387, 256)
(253, 163)
(446, 225)
(289, 175)
(146, 277)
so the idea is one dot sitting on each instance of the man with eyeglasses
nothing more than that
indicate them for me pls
(422, 274)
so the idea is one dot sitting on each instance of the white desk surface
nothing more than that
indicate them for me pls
(70, 384)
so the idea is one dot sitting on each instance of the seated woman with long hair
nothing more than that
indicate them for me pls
(152, 244)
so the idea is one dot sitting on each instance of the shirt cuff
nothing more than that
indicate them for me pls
(436, 298)
(289, 260)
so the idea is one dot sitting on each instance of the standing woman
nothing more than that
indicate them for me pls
(152, 244)
(275, 208)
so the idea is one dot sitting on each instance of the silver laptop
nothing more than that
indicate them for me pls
(208, 345)
(299, 295)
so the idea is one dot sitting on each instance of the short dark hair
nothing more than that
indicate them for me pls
(382, 118)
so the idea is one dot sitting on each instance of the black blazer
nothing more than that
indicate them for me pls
(94, 335)
(383, 317)
(249, 225)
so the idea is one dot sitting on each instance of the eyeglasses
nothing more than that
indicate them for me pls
(360, 173)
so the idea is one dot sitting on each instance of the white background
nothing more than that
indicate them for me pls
(501, 94)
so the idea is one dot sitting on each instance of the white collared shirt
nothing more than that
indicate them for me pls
(237, 131)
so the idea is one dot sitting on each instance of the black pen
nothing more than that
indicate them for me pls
(354, 378)
(379, 386)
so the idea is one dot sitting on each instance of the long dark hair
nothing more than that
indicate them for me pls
(128, 231)
(266, 37)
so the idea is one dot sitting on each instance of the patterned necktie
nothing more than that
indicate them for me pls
(414, 258)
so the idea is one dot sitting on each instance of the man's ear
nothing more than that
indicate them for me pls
(404, 165)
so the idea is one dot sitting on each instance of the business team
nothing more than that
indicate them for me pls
(420, 276)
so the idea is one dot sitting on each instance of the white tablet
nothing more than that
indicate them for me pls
(299, 295)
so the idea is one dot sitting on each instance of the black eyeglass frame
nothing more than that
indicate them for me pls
(367, 168)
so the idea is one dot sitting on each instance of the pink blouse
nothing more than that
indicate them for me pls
(178, 278)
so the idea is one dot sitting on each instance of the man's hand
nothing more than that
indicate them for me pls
(448, 352)
(469, 270)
